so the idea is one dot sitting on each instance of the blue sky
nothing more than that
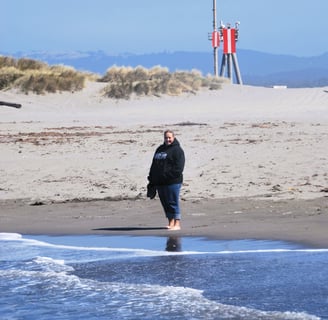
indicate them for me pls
(297, 27)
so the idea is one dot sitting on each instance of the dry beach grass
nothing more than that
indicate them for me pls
(28, 75)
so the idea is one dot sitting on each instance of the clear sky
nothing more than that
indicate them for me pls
(297, 27)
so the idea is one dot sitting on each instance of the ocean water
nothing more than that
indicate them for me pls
(123, 277)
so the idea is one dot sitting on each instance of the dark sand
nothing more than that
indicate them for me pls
(302, 221)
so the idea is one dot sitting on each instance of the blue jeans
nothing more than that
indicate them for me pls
(169, 196)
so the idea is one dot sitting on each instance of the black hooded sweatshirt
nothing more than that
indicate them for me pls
(168, 164)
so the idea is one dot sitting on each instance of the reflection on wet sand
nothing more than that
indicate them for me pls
(173, 243)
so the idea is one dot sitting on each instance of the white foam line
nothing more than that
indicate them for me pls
(270, 251)
(10, 236)
(146, 252)
(32, 242)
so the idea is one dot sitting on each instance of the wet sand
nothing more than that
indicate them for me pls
(302, 221)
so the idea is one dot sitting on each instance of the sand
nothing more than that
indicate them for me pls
(256, 163)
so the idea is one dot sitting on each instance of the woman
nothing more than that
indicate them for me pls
(166, 175)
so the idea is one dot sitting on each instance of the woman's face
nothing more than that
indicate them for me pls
(168, 138)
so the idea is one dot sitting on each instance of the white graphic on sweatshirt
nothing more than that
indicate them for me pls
(160, 156)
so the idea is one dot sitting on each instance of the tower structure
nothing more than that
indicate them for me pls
(229, 37)
(229, 58)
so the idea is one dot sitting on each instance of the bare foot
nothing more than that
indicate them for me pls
(175, 228)
(171, 224)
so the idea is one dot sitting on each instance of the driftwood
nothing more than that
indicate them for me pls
(10, 104)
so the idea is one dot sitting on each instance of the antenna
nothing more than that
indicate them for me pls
(215, 40)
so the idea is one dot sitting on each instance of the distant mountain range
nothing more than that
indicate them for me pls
(257, 68)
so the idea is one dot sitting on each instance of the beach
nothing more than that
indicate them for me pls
(256, 163)
(79, 239)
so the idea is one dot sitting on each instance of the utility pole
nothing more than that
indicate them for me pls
(215, 43)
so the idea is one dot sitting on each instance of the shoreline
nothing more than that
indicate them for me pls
(299, 221)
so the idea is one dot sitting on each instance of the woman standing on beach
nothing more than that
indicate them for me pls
(166, 175)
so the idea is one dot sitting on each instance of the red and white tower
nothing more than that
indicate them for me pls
(229, 57)
(229, 37)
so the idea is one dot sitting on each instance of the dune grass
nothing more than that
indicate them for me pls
(124, 82)
(28, 75)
